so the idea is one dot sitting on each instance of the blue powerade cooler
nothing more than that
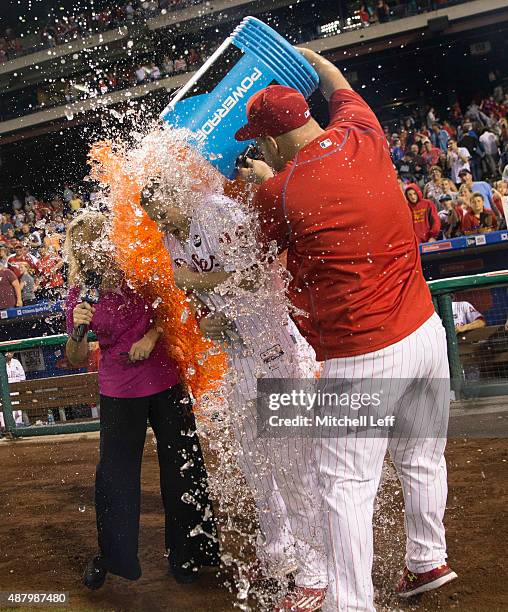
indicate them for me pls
(212, 104)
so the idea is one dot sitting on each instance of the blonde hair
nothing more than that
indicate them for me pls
(90, 224)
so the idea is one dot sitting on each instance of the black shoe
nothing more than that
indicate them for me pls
(184, 575)
(94, 575)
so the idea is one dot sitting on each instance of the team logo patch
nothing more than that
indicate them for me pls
(324, 144)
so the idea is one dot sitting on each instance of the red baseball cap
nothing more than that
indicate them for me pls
(273, 111)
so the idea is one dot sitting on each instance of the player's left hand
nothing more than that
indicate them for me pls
(214, 327)
(141, 349)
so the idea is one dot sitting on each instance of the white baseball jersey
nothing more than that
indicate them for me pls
(464, 312)
(266, 348)
(289, 515)
(15, 372)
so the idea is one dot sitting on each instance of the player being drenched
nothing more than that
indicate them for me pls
(202, 226)
(325, 197)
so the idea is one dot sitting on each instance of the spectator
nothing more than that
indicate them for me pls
(9, 238)
(382, 11)
(364, 15)
(466, 317)
(477, 219)
(27, 284)
(35, 239)
(464, 201)
(414, 154)
(75, 203)
(18, 220)
(449, 188)
(140, 74)
(130, 11)
(155, 72)
(397, 150)
(430, 153)
(4, 255)
(442, 163)
(10, 290)
(16, 203)
(23, 233)
(194, 59)
(474, 113)
(480, 187)
(427, 224)
(29, 198)
(15, 372)
(180, 65)
(434, 188)
(6, 224)
(452, 132)
(471, 142)
(52, 239)
(405, 168)
(51, 282)
(490, 146)
(431, 117)
(67, 192)
(449, 216)
(168, 65)
(21, 255)
(501, 188)
(439, 137)
(458, 159)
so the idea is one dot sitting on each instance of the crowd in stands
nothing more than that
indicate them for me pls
(453, 169)
(31, 239)
(62, 29)
(382, 11)
(117, 77)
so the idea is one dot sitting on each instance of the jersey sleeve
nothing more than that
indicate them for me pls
(273, 224)
(471, 314)
(349, 110)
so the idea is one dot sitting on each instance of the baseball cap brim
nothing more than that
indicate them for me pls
(247, 132)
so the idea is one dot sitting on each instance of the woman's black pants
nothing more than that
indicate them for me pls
(191, 536)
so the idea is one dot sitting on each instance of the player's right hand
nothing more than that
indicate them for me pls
(214, 327)
(255, 171)
(82, 314)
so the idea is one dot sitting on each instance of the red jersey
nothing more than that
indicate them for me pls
(352, 252)
(486, 222)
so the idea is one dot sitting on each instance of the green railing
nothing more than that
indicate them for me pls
(442, 292)
(6, 404)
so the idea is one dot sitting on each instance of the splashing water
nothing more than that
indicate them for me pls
(160, 162)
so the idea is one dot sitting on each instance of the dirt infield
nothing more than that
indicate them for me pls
(47, 532)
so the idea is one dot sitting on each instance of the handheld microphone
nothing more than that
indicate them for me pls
(90, 294)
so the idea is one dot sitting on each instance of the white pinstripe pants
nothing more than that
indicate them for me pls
(350, 467)
(277, 549)
(283, 477)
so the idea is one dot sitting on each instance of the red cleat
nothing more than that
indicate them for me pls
(302, 599)
(412, 583)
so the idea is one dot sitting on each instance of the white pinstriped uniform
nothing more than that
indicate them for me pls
(288, 505)
(350, 467)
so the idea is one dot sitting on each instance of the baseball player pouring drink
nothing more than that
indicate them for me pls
(258, 345)
(325, 195)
